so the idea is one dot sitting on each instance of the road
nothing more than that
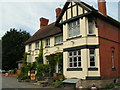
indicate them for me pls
(11, 82)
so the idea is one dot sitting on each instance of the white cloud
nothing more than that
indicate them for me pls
(25, 14)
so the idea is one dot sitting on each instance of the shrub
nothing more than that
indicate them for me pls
(22, 76)
(110, 86)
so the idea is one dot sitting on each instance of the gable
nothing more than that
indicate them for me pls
(72, 10)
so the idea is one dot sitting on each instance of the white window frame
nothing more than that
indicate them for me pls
(92, 55)
(91, 27)
(77, 56)
(37, 45)
(30, 47)
(58, 39)
(74, 29)
(48, 42)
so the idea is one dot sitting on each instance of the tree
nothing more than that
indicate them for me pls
(13, 47)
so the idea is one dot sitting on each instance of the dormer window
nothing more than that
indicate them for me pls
(73, 29)
(90, 26)
(48, 42)
(37, 45)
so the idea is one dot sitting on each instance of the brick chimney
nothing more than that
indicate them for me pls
(58, 11)
(102, 7)
(43, 22)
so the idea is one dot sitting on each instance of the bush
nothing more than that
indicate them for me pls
(22, 76)
(110, 86)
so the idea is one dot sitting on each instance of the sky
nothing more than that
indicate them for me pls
(25, 14)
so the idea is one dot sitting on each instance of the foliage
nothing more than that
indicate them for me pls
(13, 47)
(40, 56)
(13, 71)
(58, 84)
(42, 68)
(53, 59)
(22, 76)
(112, 85)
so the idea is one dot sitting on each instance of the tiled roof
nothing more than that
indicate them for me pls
(45, 32)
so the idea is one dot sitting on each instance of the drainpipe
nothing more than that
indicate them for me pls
(86, 44)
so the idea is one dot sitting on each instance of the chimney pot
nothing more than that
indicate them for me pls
(102, 7)
(58, 11)
(43, 22)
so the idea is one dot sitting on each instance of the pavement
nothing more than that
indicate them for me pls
(11, 82)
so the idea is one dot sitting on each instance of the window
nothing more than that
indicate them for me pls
(92, 57)
(58, 39)
(37, 45)
(113, 52)
(90, 26)
(75, 59)
(74, 29)
(48, 42)
(30, 47)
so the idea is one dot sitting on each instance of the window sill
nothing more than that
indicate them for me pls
(93, 69)
(74, 69)
(113, 69)
(47, 46)
(37, 49)
(29, 50)
(91, 35)
(74, 37)
(58, 44)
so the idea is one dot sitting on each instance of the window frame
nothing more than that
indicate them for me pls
(73, 56)
(113, 57)
(91, 21)
(92, 55)
(47, 42)
(37, 45)
(60, 39)
(72, 26)
(30, 47)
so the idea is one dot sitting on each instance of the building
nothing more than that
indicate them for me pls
(88, 38)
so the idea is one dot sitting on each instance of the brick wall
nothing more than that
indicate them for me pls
(109, 37)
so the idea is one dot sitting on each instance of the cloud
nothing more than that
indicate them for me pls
(25, 14)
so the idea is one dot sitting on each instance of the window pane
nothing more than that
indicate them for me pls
(75, 53)
(79, 52)
(90, 25)
(70, 59)
(70, 53)
(70, 64)
(79, 58)
(91, 58)
(79, 64)
(92, 51)
(92, 63)
(75, 64)
(75, 59)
